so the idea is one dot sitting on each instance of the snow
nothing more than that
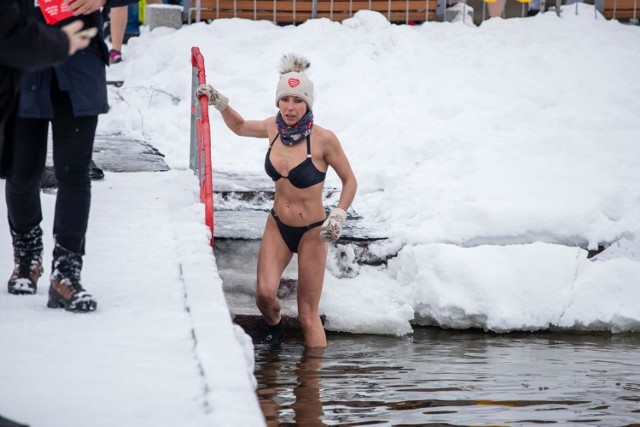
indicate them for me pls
(160, 350)
(492, 157)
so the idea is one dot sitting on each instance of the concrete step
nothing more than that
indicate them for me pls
(236, 260)
(240, 215)
(248, 224)
(121, 153)
(118, 153)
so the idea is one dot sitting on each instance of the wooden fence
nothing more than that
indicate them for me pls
(298, 11)
(399, 11)
(622, 9)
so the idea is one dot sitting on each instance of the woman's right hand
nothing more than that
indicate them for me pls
(215, 98)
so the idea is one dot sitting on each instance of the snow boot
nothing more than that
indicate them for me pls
(115, 56)
(95, 173)
(273, 340)
(27, 258)
(49, 180)
(65, 290)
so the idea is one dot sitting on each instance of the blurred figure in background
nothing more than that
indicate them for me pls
(119, 16)
(496, 9)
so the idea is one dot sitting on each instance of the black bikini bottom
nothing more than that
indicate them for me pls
(292, 235)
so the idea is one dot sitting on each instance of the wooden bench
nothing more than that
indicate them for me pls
(622, 9)
(298, 11)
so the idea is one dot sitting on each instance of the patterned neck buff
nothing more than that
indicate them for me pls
(296, 133)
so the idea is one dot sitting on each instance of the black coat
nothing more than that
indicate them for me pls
(83, 74)
(24, 44)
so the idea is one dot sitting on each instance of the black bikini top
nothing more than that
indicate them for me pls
(302, 176)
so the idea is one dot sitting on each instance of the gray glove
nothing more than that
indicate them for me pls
(215, 98)
(331, 228)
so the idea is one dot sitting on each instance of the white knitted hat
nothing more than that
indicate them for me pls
(293, 80)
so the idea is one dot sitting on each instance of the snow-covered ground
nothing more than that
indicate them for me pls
(492, 157)
(160, 350)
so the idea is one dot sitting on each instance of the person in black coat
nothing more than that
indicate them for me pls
(69, 97)
(26, 43)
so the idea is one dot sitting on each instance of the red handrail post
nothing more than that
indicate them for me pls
(200, 149)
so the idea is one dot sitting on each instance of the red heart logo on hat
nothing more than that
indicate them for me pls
(293, 82)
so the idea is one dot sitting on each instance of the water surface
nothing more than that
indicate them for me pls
(454, 378)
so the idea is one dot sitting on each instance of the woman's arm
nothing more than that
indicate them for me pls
(337, 159)
(233, 119)
(242, 127)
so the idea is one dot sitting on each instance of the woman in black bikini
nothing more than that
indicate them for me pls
(299, 154)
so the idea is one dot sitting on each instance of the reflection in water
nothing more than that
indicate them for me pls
(267, 392)
(307, 406)
(449, 378)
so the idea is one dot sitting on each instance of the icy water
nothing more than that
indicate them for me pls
(454, 378)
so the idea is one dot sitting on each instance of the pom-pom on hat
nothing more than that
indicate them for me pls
(293, 80)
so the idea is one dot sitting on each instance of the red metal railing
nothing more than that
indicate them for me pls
(200, 160)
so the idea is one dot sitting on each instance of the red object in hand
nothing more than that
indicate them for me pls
(54, 11)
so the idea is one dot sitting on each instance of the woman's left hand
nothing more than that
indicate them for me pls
(332, 227)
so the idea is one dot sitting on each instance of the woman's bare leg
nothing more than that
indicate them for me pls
(273, 258)
(312, 260)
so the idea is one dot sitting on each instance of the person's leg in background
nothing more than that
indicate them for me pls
(496, 9)
(119, 16)
(118, 27)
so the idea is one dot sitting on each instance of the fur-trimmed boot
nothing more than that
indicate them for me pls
(27, 258)
(65, 290)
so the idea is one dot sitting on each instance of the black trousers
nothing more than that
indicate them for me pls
(72, 148)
